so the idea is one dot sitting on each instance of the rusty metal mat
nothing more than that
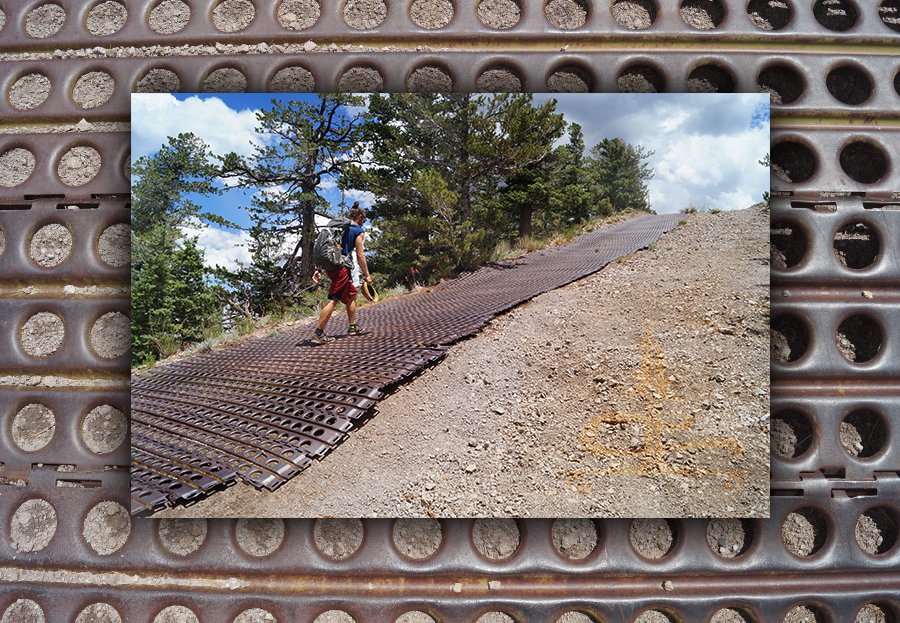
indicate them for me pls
(266, 408)
(399, 26)
(217, 572)
(841, 261)
(743, 69)
(43, 184)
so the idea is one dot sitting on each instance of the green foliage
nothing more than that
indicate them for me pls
(253, 290)
(714, 211)
(618, 176)
(170, 302)
(162, 188)
(766, 162)
(691, 209)
(438, 162)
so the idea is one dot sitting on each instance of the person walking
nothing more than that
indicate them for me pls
(342, 288)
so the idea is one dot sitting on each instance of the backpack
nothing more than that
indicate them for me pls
(327, 252)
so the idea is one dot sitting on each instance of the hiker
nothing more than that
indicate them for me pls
(342, 288)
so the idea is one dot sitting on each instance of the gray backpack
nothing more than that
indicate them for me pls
(327, 251)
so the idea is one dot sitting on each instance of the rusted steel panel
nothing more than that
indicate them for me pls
(399, 27)
(743, 67)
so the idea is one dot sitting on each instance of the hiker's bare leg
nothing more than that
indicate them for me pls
(351, 309)
(325, 314)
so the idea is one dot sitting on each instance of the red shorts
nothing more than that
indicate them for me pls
(342, 287)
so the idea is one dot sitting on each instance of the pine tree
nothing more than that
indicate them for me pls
(170, 301)
(302, 145)
(437, 160)
(619, 176)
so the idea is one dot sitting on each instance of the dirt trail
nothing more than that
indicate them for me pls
(640, 391)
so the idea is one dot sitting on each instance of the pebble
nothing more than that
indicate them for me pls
(494, 585)
(457, 588)
(867, 294)
(668, 586)
(309, 46)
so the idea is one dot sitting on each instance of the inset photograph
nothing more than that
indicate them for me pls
(450, 305)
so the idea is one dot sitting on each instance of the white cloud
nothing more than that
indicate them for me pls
(156, 116)
(364, 197)
(221, 247)
(735, 200)
(271, 191)
(720, 171)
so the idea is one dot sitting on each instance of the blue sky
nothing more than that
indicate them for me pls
(706, 146)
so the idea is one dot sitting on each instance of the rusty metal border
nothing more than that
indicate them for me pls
(614, 583)
(826, 455)
(826, 145)
(822, 292)
(533, 28)
(838, 596)
(534, 69)
(44, 181)
(86, 224)
(67, 446)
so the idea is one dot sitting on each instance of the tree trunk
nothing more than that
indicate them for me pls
(465, 189)
(525, 213)
(307, 266)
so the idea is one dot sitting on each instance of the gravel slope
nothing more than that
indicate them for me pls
(640, 391)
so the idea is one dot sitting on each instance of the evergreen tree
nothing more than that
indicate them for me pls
(619, 176)
(162, 188)
(436, 157)
(253, 290)
(170, 302)
(302, 145)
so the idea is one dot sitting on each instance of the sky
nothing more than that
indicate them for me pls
(706, 146)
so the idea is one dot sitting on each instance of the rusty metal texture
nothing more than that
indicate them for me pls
(399, 27)
(825, 453)
(826, 146)
(822, 385)
(75, 357)
(533, 68)
(818, 220)
(613, 583)
(266, 408)
(44, 181)
(67, 446)
(20, 220)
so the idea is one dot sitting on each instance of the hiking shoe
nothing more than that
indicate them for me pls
(355, 329)
(321, 339)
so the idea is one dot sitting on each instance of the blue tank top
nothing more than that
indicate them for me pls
(348, 242)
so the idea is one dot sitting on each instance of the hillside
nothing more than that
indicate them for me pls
(516, 420)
